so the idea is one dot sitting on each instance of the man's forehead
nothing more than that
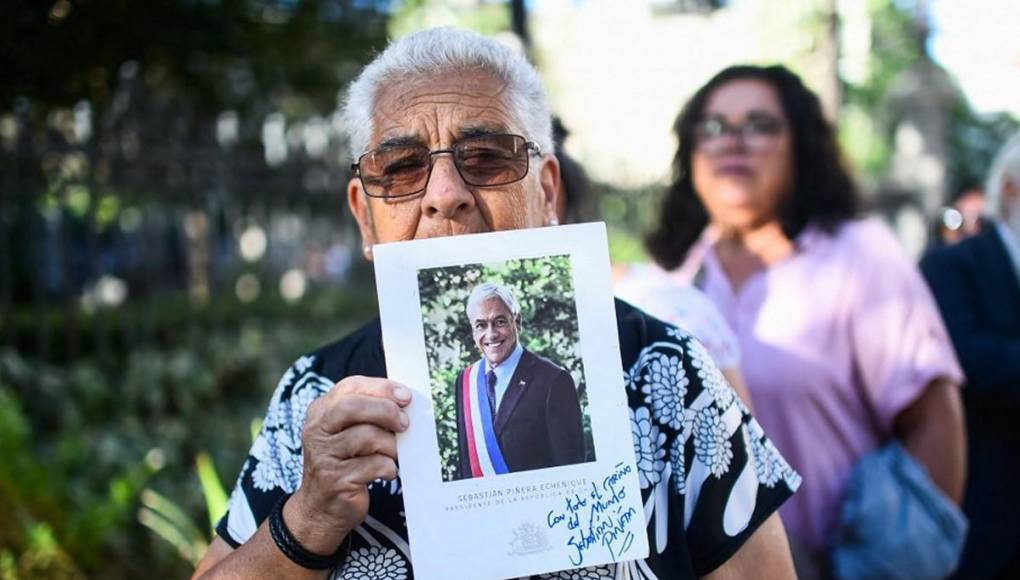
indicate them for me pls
(400, 135)
(493, 302)
(452, 104)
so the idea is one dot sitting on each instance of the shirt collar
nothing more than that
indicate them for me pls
(811, 238)
(505, 369)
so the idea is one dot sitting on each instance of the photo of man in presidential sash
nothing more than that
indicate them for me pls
(507, 382)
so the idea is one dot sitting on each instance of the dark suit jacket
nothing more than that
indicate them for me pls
(538, 422)
(976, 287)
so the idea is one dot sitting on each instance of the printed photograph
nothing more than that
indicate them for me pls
(506, 374)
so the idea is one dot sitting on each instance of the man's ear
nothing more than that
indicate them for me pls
(358, 202)
(549, 180)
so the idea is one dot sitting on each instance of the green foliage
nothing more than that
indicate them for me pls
(214, 54)
(973, 143)
(487, 18)
(895, 47)
(625, 247)
(33, 498)
(168, 521)
(88, 445)
(212, 489)
(627, 213)
(543, 287)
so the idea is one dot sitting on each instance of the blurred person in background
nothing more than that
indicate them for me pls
(647, 286)
(576, 202)
(681, 304)
(841, 343)
(453, 136)
(961, 219)
(977, 286)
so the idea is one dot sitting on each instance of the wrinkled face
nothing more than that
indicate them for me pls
(437, 112)
(742, 176)
(494, 329)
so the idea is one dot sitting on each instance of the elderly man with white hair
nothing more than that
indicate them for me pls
(452, 135)
(977, 285)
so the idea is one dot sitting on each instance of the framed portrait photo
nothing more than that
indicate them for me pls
(519, 458)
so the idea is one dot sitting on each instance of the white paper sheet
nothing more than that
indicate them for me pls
(521, 522)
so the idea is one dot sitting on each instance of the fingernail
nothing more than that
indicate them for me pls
(402, 393)
(404, 420)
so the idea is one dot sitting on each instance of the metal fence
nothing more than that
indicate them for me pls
(154, 213)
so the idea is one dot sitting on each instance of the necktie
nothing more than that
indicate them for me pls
(490, 381)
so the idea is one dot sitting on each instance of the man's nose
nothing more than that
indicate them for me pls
(446, 195)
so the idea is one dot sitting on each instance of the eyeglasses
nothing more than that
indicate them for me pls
(481, 161)
(758, 132)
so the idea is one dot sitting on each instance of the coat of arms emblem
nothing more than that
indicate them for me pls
(528, 539)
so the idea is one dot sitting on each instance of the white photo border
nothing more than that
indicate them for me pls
(508, 527)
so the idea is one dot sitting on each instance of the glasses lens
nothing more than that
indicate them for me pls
(757, 133)
(762, 126)
(710, 129)
(394, 171)
(492, 159)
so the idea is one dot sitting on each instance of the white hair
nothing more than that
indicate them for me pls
(442, 50)
(486, 290)
(1006, 166)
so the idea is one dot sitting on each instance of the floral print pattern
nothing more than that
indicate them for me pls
(676, 333)
(278, 466)
(665, 387)
(375, 563)
(592, 573)
(648, 451)
(392, 486)
(277, 449)
(676, 460)
(710, 375)
(687, 427)
(711, 441)
(769, 466)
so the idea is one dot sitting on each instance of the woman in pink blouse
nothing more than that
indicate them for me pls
(842, 346)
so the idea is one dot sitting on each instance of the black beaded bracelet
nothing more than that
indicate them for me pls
(290, 547)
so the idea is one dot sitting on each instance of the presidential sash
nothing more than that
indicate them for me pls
(483, 448)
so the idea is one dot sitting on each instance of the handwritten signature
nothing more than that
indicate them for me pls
(598, 518)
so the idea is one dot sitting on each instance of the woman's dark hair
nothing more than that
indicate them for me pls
(576, 185)
(823, 193)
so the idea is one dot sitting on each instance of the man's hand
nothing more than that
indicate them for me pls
(348, 442)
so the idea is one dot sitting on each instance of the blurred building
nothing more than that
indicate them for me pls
(618, 73)
(896, 77)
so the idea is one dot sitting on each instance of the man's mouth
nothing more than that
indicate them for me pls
(493, 344)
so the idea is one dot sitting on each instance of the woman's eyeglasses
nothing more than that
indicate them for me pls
(758, 133)
(481, 161)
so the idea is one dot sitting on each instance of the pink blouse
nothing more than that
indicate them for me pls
(835, 341)
(653, 290)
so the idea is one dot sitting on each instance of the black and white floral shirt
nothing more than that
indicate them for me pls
(709, 476)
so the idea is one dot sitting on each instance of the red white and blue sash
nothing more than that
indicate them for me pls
(483, 448)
